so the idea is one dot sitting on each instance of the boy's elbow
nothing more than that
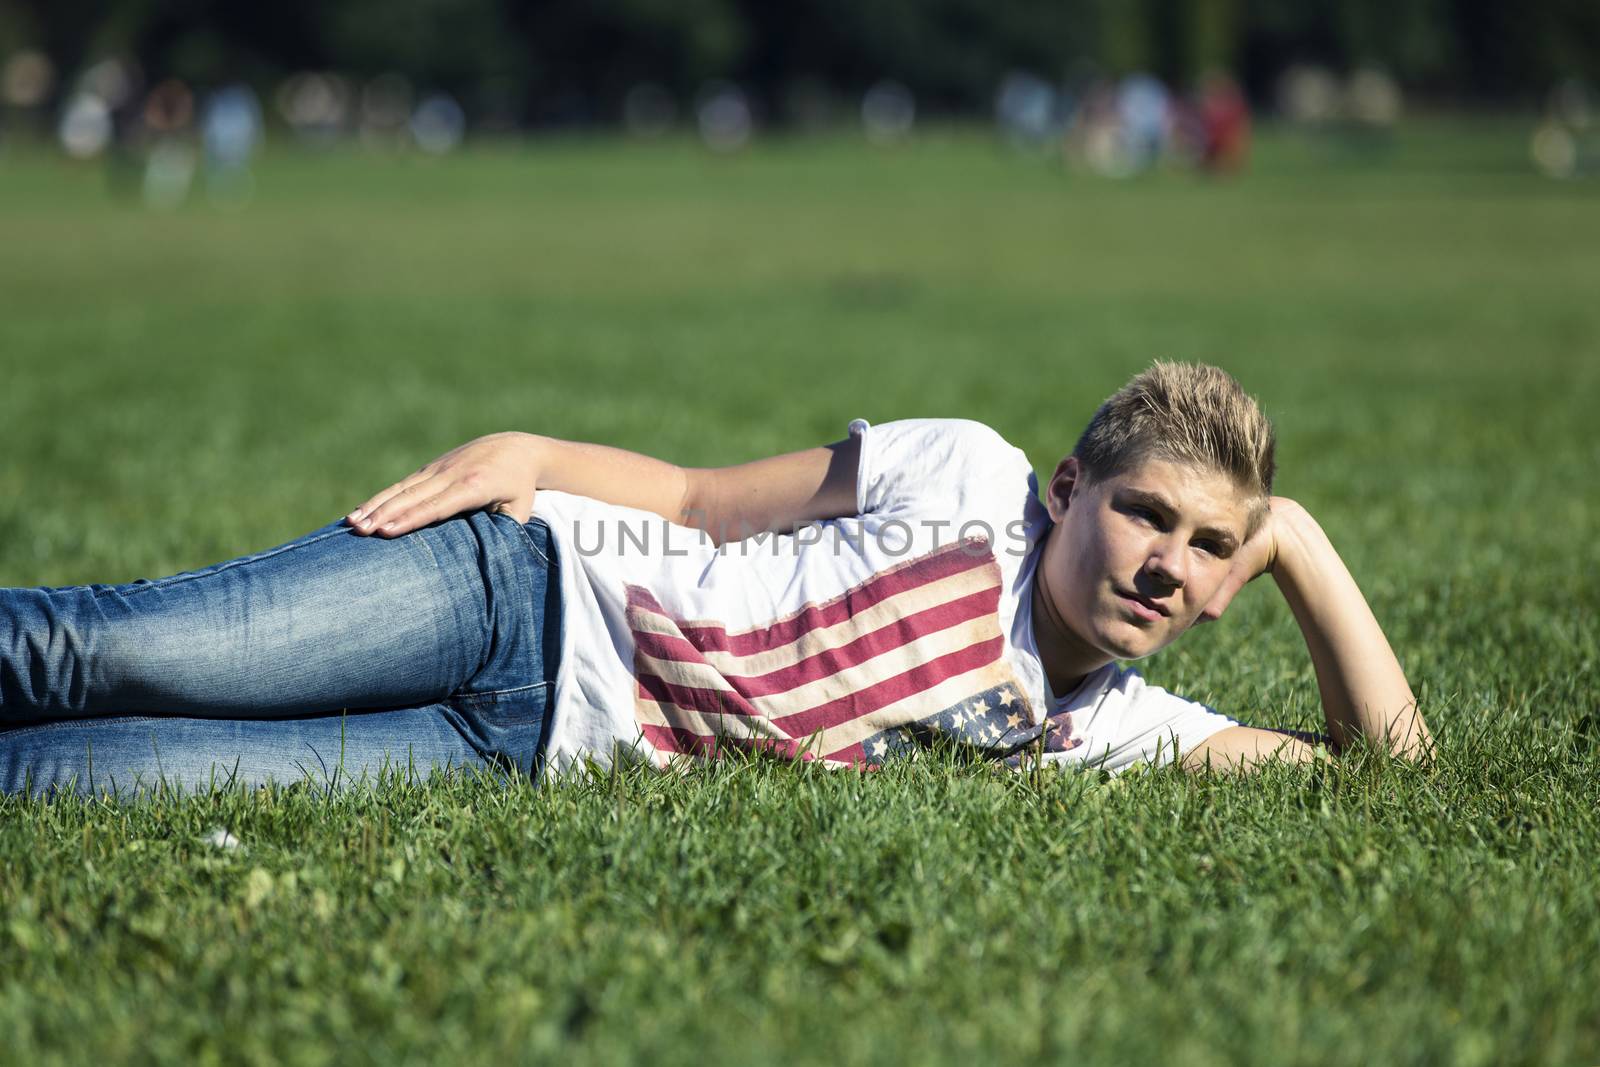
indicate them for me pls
(1411, 744)
(1408, 736)
(1416, 748)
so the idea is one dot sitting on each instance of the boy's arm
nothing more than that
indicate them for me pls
(1364, 691)
(503, 471)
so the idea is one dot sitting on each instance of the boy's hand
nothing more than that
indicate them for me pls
(1254, 558)
(497, 472)
(1364, 692)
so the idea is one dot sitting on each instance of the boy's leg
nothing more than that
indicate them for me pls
(330, 621)
(125, 756)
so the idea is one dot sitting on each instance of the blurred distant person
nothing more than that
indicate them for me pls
(438, 124)
(724, 117)
(316, 106)
(1094, 137)
(1144, 112)
(1370, 113)
(888, 113)
(1030, 111)
(524, 602)
(170, 165)
(1373, 100)
(1308, 95)
(231, 127)
(230, 133)
(1224, 120)
(1566, 142)
(26, 80)
(1122, 128)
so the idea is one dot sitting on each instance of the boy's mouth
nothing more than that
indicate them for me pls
(1145, 608)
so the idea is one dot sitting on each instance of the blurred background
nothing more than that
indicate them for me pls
(1116, 86)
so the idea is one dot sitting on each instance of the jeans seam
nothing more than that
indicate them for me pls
(526, 536)
(492, 696)
(178, 579)
(77, 723)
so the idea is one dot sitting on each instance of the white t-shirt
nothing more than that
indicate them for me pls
(849, 641)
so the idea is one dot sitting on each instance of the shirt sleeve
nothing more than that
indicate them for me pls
(955, 466)
(1135, 722)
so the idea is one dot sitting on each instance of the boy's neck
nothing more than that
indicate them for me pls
(1067, 659)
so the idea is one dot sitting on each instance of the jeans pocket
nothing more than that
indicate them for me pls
(507, 707)
(507, 726)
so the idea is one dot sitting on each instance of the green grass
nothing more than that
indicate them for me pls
(181, 388)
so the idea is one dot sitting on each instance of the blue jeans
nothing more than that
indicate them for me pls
(332, 657)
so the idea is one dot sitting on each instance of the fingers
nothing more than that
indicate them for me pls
(521, 510)
(408, 508)
(487, 472)
(377, 500)
(426, 502)
(1224, 596)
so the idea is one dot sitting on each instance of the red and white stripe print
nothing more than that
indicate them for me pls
(921, 636)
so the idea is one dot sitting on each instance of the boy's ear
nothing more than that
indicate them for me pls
(1058, 494)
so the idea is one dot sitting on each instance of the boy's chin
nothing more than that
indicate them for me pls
(1137, 644)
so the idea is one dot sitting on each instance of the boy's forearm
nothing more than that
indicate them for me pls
(1364, 691)
(728, 503)
(611, 475)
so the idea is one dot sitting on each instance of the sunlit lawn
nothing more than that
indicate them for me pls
(177, 388)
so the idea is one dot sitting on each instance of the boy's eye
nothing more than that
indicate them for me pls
(1211, 548)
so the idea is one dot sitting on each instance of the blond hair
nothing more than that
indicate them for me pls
(1188, 413)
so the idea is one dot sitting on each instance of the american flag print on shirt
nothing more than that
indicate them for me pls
(909, 656)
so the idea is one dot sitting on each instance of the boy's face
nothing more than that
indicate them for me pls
(1135, 557)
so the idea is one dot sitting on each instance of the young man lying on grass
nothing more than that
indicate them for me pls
(527, 602)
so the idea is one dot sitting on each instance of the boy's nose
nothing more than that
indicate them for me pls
(1167, 564)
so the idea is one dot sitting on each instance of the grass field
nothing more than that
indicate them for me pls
(184, 387)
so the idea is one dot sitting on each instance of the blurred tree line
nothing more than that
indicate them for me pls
(555, 61)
